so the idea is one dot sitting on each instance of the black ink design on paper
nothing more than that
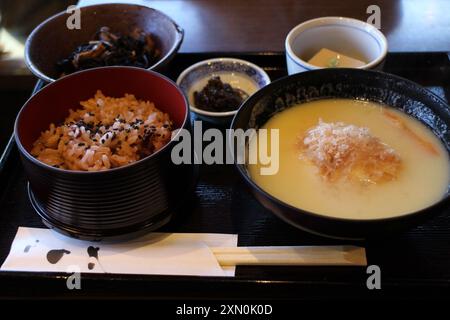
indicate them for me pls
(53, 256)
(28, 247)
(93, 253)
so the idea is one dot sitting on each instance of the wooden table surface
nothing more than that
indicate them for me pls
(262, 25)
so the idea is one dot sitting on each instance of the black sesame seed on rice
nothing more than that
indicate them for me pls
(87, 123)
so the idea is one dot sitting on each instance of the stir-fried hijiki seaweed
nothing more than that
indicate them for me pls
(137, 49)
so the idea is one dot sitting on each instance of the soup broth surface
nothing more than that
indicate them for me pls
(421, 180)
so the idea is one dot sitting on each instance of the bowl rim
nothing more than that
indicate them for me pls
(196, 65)
(243, 172)
(172, 141)
(336, 20)
(41, 75)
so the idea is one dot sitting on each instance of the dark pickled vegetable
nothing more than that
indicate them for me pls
(137, 49)
(217, 96)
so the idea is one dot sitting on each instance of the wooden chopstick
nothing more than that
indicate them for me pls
(291, 256)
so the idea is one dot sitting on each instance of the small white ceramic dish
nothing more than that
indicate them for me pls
(240, 74)
(347, 36)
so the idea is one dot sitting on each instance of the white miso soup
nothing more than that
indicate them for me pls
(354, 159)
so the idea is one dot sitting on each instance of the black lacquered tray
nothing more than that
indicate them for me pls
(413, 264)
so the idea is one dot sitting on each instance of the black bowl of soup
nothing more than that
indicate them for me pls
(345, 153)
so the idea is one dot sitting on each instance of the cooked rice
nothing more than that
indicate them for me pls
(106, 133)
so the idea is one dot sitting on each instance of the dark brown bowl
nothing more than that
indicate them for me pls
(52, 41)
(345, 83)
(137, 197)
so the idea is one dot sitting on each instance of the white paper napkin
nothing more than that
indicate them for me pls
(40, 250)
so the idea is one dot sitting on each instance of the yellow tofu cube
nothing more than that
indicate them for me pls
(326, 58)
